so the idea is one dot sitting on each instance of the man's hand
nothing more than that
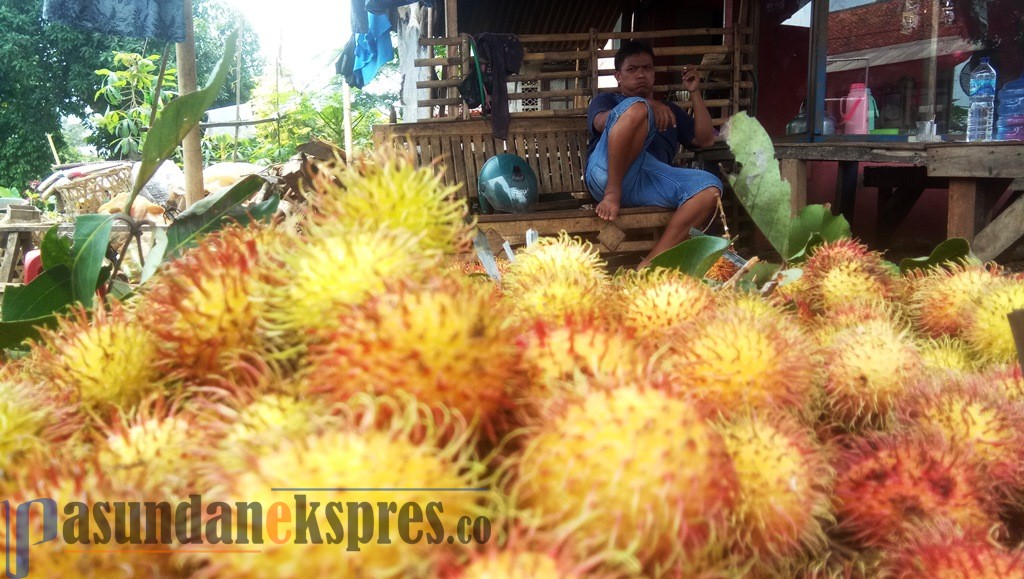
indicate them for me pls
(664, 118)
(691, 80)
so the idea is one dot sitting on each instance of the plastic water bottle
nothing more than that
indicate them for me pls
(1010, 126)
(983, 102)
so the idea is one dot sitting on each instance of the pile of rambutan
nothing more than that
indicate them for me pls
(857, 422)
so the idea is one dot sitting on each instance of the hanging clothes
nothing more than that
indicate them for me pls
(160, 19)
(504, 55)
(386, 5)
(372, 51)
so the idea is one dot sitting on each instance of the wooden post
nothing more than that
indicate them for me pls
(794, 172)
(451, 18)
(187, 83)
(1016, 319)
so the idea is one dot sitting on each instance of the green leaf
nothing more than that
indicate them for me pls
(50, 292)
(759, 185)
(211, 213)
(92, 236)
(55, 249)
(952, 250)
(695, 256)
(761, 273)
(13, 334)
(815, 225)
(177, 119)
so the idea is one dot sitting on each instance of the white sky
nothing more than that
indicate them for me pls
(310, 33)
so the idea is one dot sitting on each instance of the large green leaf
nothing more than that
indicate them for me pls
(761, 273)
(695, 256)
(91, 238)
(55, 249)
(13, 334)
(952, 250)
(815, 225)
(759, 185)
(177, 119)
(213, 212)
(50, 292)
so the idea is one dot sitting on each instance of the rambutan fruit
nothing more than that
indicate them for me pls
(1006, 380)
(254, 424)
(556, 278)
(30, 421)
(736, 361)
(205, 309)
(975, 420)
(385, 189)
(988, 330)
(356, 458)
(630, 472)
(887, 486)
(870, 366)
(81, 548)
(446, 343)
(722, 270)
(515, 564)
(946, 355)
(318, 276)
(844, 272)
(150, 451)
(103, 362)
(947, 552)
(784, 483)
(827, 325)
(939, 300)
(656, 299)
(555, 353)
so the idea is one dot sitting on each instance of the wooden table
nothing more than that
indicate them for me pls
(975, 174)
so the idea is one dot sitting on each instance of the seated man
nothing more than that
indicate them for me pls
(633, 139)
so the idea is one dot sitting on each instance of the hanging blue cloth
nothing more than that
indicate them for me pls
(160, 19)
(373, 50)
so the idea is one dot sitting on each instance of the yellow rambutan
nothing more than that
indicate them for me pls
(1006, 380)
(320, 275)
(735, 361)
(446, 343)
(150, 451)
(751, 302)
(988, 330)
(385, 189)
(843, 272)
(939, 300)
(81, 549)
(358, 469)
(554, 353)
(205, 308)
(254, 425)
(629, 471)
(888, 486)
(657, 299)
(514, 564)
(784, 483)
(825, 326)
(946, 355)
(106, 361)
(556, 278)
(30, 420)
(868, 371)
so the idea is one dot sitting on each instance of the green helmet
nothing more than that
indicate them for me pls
(507, 184)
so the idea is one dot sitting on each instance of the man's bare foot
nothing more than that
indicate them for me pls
(608, 208)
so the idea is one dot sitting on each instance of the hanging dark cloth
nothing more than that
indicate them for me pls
(160, 19)
(504, 55)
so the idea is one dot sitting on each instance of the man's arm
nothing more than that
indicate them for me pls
(703, 130)
(600, 119)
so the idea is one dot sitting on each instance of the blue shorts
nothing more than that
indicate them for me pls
(648, 181)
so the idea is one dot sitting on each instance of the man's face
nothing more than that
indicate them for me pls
(636, 76)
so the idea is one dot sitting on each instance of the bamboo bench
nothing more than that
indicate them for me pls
(556, 150)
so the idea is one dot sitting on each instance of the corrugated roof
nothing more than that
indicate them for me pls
(908, 51)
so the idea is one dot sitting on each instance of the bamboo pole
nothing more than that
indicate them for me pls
(187, 83)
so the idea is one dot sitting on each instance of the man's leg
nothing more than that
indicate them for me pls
(626, 141)
(696, 211)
